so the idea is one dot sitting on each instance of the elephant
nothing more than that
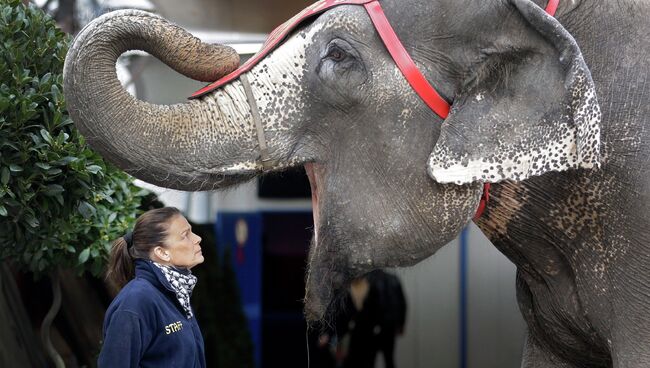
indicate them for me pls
(551, 111)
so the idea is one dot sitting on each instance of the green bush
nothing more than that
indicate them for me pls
(60, 203)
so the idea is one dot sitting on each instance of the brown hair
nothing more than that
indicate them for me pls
(149, 231)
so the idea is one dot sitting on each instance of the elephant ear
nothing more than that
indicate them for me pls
(530, 110)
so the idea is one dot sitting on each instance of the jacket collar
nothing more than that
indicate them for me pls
(145, 269)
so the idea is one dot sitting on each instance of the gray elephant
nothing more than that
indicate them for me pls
(551, 110)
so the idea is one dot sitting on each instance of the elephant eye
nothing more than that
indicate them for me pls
(340, 66)
(336, 54)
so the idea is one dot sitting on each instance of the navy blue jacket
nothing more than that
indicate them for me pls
(145, 326)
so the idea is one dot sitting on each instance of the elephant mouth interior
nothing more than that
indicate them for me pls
(314, 173)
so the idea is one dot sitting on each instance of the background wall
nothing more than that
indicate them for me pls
(495, 328)
(432, 292)
(233, 15)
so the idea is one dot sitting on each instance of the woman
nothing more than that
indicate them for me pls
(150, 323)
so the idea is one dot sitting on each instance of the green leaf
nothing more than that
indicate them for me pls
(86, 209)
(10, 144)
(6, 14)
(59, 198)
(66, 160)
(15, 168)
(46, 78)
(83, 256)
(3, 211)
(53, 190)
(46, 135)
(31, 220)
(5, 175)
(10, 201)
(28, 195)
(4, 103)
(41, 265)
(56, 93)
(43, 166)
(62, 138)
(94, 168)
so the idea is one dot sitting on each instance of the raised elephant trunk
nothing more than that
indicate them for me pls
(198, 145)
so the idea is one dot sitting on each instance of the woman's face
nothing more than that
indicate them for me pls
(182, 244)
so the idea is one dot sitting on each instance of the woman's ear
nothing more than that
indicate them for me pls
(162, 254)
(532, 110)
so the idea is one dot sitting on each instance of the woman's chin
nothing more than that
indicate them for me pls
(198, 260)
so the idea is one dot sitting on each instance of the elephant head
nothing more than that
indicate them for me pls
(391, 181)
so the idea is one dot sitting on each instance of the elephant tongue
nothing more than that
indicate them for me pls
(313, 183)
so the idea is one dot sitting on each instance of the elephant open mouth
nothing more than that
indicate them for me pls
(325, 276)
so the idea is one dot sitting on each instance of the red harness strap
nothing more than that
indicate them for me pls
(403, 60)
(484, 201)
(415, 78)
(551, 7)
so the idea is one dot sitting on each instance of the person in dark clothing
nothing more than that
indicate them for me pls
(321, 346)
(374, 313)
(150, 323)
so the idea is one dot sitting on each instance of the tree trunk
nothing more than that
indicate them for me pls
(19, 346)
(49, 318)
(83, 312)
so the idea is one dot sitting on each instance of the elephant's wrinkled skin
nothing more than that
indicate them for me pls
(391, 181)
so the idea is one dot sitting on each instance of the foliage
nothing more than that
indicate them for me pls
(60, 203)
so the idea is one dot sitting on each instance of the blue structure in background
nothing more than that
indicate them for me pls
(463, 298)
(242, 233)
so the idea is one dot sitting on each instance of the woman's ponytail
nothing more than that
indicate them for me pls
(120, 264)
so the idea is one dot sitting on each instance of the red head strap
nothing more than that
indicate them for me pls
(551, 7)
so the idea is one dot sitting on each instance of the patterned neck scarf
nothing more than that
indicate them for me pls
(183, 282)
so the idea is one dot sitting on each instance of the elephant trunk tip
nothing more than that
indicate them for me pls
(213, 63)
